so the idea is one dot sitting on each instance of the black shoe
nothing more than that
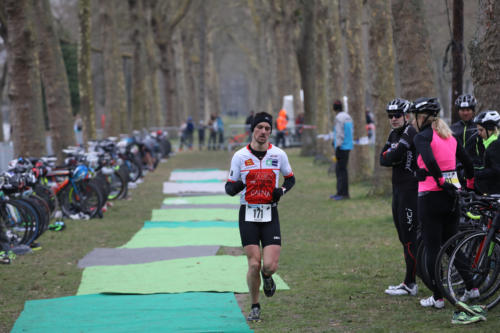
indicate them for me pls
(254, 315)
(269, 285)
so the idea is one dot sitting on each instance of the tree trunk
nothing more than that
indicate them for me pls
(139, 93)
(85, 72)
(335, 57)
(55, 80)
(306, 55)
(485, 56)
(413, 51)
(322, 87)
(114, 79)
(3, 80)
(28, 132)
(382, 86)
(154, 108)
(361, 162)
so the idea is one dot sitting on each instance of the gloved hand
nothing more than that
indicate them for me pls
(421, 174)
(450, 189)
(239, 186)
(278, 193)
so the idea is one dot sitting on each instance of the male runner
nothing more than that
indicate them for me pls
(255, 171)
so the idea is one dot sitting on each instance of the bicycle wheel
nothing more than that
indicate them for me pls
(117, 185)
(17, 229)
(446, 279)
(422, 271)
(479, 261)
(89, 200)
(23, 220)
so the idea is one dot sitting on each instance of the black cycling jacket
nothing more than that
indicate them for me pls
(466, 134)
(488, 177)
(399, 153)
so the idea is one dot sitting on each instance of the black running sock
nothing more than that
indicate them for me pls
(264, 276)
(256, 305)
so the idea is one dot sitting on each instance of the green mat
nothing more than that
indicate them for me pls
(216, 214)
(189, 312)
(156, 237)
(191, 224)
(203, 200)
(213, 273)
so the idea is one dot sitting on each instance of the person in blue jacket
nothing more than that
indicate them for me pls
(343, 144)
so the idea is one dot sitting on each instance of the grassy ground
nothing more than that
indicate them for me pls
(337, 257)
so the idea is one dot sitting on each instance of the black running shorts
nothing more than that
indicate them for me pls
(255, 233)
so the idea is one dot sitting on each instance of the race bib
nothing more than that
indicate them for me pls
(258, 213)
(452, 178)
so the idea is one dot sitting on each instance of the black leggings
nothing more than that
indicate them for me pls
(438, 214)
(404, 212)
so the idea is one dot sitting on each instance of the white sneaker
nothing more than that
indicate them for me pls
(430, 301)
(402, 289)
(469, 294)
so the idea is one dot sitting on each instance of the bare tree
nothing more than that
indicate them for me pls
(163, 23)
(114, 80)
(413, 51)
(381, 80)
(25, 90)
(139, 86)
(54, 79)
(485, 56)
(85, 72)
(361, 161)
(306, 54)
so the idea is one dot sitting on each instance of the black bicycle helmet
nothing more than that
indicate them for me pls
(488, 119)
(427, 105)
(398, 105)
(466, 101)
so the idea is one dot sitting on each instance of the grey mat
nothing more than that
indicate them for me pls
(189, 206)
(121, 256)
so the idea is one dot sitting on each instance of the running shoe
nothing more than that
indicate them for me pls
(463, 318)
(430, 301)
(254, 315)
(469, 294)
(473, 310)
(402, 289)
(269, 285)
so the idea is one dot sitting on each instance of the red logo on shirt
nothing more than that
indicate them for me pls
(249, 162)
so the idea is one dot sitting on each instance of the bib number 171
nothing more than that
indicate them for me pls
(258, 213)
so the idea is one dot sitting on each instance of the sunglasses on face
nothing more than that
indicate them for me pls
(395, 115)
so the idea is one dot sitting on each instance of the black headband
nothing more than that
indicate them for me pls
(260, 118)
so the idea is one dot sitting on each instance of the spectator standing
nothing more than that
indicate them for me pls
(281, 124)
(189, 133)
(343, 144)
(220, 131)
(212, 128)
(78, 128)
(201, 134)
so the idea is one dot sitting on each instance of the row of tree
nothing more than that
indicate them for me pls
(162, 60)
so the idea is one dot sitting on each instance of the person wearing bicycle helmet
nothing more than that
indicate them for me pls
(399, 154)
(488, 177)
(438, 213)
(465, 131)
